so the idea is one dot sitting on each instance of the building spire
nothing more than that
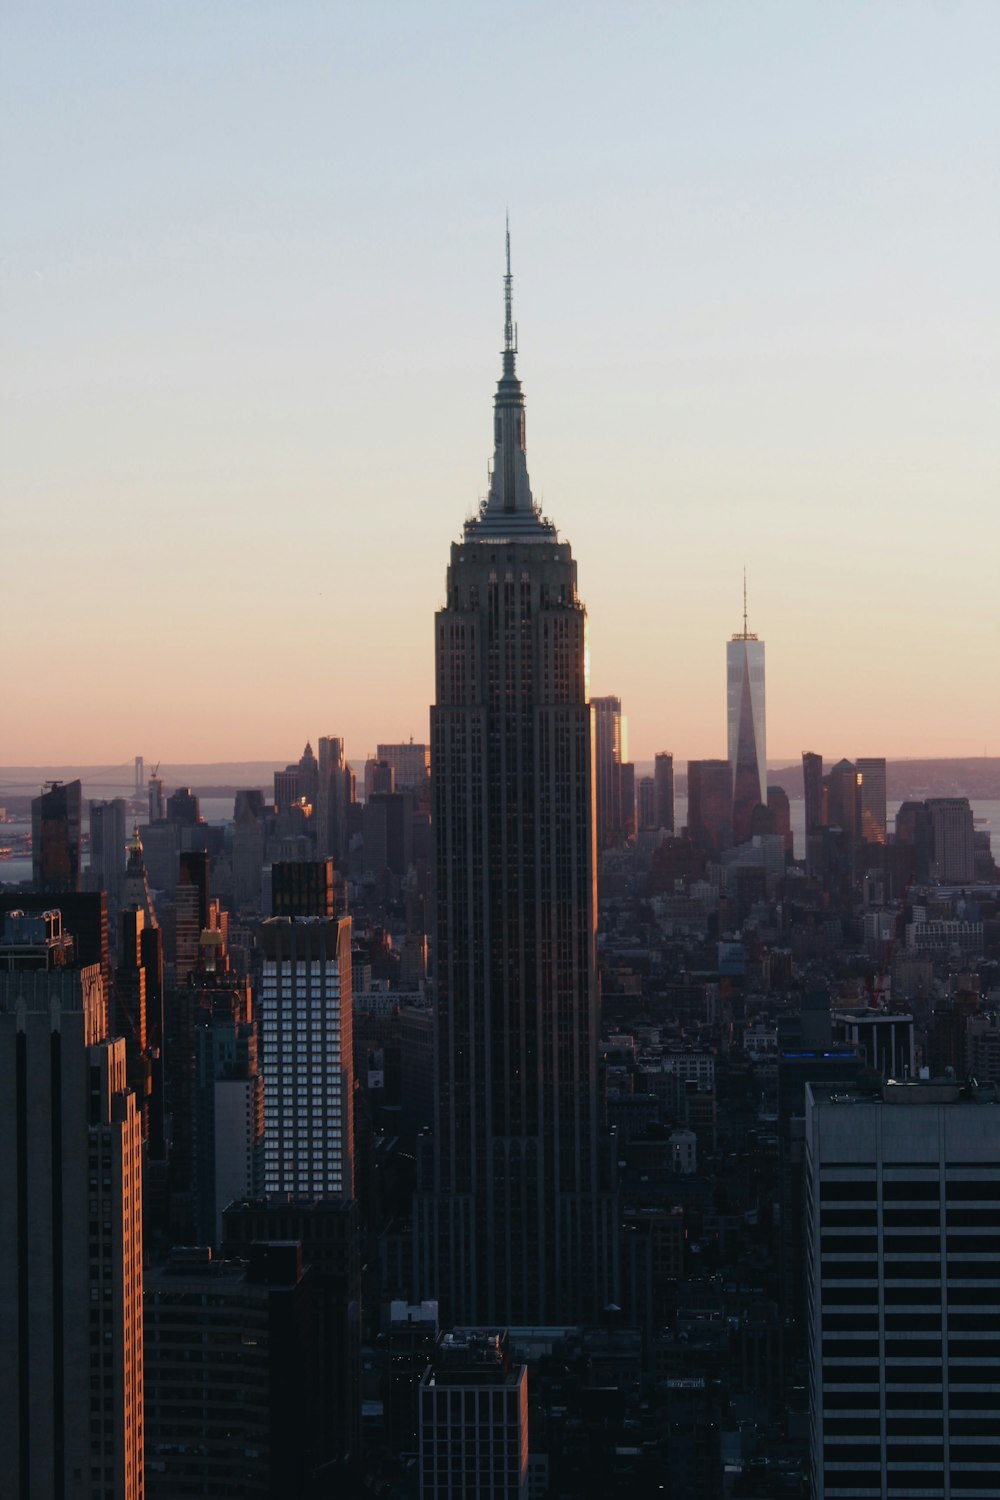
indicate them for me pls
(509, 508)
(744, 634)
(509, 326)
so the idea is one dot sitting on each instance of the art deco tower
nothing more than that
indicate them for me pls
(746, 725)
(516, 1212)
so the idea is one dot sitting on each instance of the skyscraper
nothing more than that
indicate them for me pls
(71, 1383)
(610, 753)
(812, 789)
(871, 769)
(903, 1195)
(710, 805)
(516, 1212)
(746, 725)
(55, 837)
(107, 847)
(307, 1056)
(663, 775)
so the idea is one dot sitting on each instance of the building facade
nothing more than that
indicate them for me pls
(71, 1376)
(902, 1196)
(746, 726)
(516, 1219)
(871, 769)
(473, 1407)
(306, 1022)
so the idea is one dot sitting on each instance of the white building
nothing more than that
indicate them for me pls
(307, 1056)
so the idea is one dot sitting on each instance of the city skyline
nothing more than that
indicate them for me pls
(262, 327)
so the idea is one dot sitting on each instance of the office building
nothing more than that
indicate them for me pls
(746, 725)
(379, 777)
(610, 754)
(710, 805)
(228, 1109)
(410, 764)
(306, 1019)
(844, 799)
(884, 1039)
(871, 769)
(953, 835)
(55, 837)
(516, 1209)
(334, 795)
(812, 790)
(663, 775)
(328, 1231)
(781, 817)
(903, 1196)
(71, 1375)
(473, 1420)
(645, 804)
(107, 848)
(229, 1355)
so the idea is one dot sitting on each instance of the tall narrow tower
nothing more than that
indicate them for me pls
(746, 724)
(516, 1212)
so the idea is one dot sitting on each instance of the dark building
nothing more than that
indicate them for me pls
(302, 888)
(84, 914)
(903, 1198)
(107, 848)
(710, 805)
(517, 1209)
(609, 756)
(844, 799)
(228, 1110)
(55, 837)
(387, 829)
(781, 815)
(183, 808)
(474, 1420)
(229, 1350)
(663, 775)
(71, 1372)
(328, 1231)
(812, 788)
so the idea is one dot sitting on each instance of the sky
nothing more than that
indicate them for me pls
(251, 265)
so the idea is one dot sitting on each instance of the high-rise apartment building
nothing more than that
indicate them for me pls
(746, 724)
(902, 1200)
(663, 775)
(516, 1208)
(306, 1021)
(71, 1372)
(55, 837)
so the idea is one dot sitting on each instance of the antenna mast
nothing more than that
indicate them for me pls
(509, 331)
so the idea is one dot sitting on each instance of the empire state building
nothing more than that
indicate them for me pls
(516, 1210)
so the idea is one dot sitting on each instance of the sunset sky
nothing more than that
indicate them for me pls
(251, 269)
